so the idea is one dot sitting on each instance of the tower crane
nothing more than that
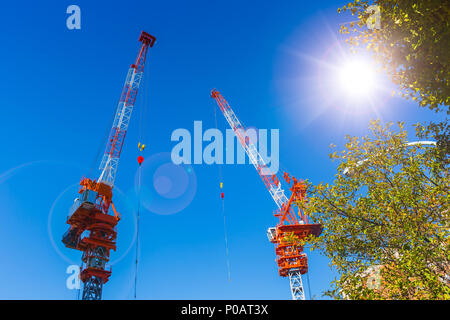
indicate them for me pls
(92, 224)
(292, 224)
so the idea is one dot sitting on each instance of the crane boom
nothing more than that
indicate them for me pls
(270, 180)
(124, 109)
(291, 260)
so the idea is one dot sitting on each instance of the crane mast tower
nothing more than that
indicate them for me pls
(292, 223)
(92, 224)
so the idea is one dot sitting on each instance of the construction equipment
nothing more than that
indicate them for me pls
(292, 224)
(92, 225)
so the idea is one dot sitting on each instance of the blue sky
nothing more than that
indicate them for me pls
(60, 87)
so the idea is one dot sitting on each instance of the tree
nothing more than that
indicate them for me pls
(411, 44)
(391, 209)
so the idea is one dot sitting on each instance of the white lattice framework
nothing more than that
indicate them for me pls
(295, 280)
(110, 160)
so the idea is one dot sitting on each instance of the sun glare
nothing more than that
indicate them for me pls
(357, 79)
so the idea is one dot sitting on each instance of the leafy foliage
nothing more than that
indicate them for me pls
(412, 44)
(390, 209)
(291, 238)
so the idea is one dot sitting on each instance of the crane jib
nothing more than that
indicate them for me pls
(269, 178)
(110, 160)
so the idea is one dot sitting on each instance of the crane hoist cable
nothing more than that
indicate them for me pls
(143, 110)
(309, 286)
(140, 159)
(78, 293)
(223, 210)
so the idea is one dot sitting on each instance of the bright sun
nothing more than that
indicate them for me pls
(357, 79)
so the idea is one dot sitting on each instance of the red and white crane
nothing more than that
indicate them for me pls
(292, 224)
(92, 226)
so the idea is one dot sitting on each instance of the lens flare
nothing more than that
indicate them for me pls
(166, 188)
